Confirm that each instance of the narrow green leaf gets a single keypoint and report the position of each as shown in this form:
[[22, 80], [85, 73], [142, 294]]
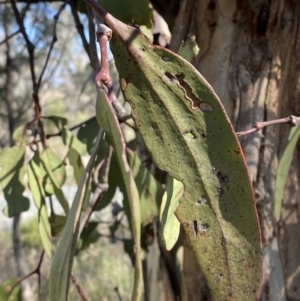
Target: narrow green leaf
[[10, 290], [35, 183], [108, 121], [170, 226], [55, 169], [283, 169], [188, 134], [63, 258]]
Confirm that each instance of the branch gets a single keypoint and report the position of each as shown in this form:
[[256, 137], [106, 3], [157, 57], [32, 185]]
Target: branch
[[37, 271], [79, 288], [93, 46], [291, 120], [54, 40], [7, 38], [80, 28], [29, 45]]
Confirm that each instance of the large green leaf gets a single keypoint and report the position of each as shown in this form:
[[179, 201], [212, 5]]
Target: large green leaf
[[188, 134], [283, 169], [35, 178], [109, 122], [170, 226]]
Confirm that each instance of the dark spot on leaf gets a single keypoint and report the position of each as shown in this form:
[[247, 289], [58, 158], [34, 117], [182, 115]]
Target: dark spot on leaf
[[220, 191], [223, 178], [169, 78], [195, 228], [204, 227], [154, 126], [201, 201], [143, 49], [203, 136]]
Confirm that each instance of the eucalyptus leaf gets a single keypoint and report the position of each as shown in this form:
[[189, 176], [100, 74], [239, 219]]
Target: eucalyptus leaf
[[189, 49], [57, 224], [12, 173], [73, 142], [87, 133], [150, 190], [11, 290], [283, 168], [188, 134], [170, 226], [78, 171], [55, 169], [38, 193], [108, 121], [11, 160], [88, 236]]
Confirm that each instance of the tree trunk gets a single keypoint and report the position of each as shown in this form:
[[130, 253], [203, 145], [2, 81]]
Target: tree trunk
[[250, 53]]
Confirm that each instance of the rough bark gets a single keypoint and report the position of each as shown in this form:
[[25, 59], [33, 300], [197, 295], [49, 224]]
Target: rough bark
[[250, 53]]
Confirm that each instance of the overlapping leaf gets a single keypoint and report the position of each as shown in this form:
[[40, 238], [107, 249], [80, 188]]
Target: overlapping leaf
[[35, 178], [108, 121], [11, 180], [170, 226]]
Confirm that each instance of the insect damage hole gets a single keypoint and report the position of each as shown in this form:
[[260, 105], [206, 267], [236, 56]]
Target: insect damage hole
[[189, 134], [205, 107], [195, 228], [154, 126], [204, 227], [169, 78], [201, 201]]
